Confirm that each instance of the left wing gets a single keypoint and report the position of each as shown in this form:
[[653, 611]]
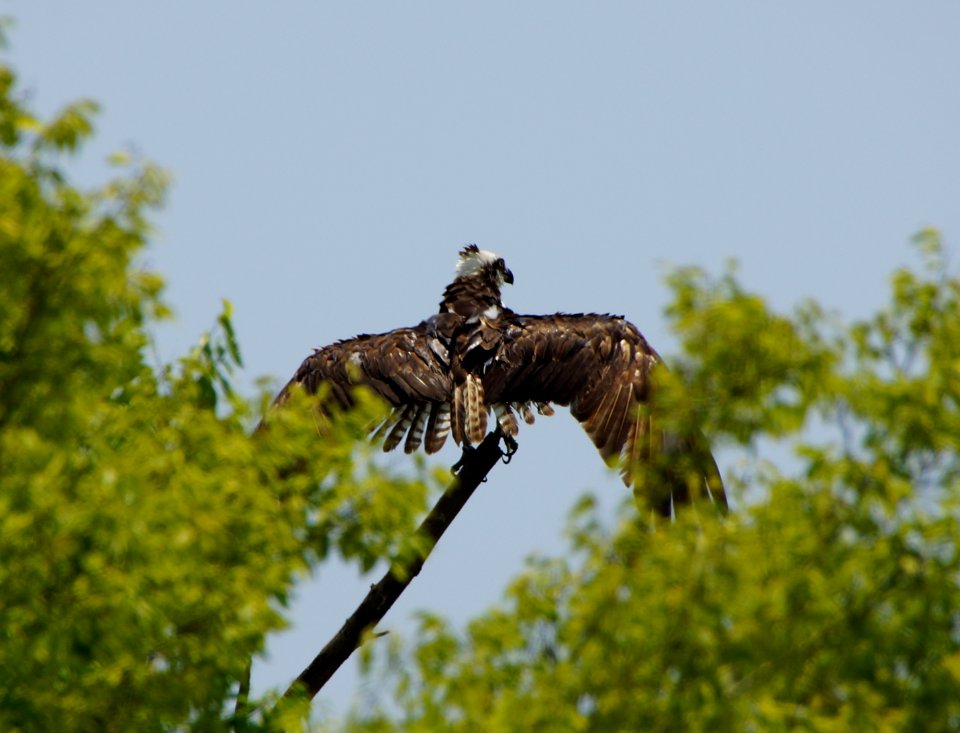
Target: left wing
[[408, 367], [600, 366]]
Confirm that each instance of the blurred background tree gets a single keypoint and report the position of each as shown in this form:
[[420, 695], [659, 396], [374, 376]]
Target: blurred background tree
[[828, 600], [147, 543]]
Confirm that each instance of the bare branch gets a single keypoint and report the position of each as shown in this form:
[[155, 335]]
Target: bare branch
[[474, 466]]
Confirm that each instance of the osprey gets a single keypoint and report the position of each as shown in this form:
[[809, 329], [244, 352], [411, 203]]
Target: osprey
[[446, 374]]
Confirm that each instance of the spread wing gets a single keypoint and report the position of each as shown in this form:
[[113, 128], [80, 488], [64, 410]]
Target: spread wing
[[600, 366], [408, 367]]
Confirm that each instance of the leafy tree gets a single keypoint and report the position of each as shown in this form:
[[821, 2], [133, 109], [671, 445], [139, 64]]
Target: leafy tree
[[827, 601], [147, 543]]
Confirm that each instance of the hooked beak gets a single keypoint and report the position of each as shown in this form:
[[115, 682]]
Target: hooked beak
[[508, 277]]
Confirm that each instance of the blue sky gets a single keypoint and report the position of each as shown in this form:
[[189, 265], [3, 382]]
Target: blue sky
[[329, 159]]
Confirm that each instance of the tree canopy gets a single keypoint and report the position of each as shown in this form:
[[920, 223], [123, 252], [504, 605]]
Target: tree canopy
[[148, 542]]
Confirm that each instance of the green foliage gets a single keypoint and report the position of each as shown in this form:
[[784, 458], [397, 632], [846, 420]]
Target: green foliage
[[768, 368], [830, 603], [148, 543]]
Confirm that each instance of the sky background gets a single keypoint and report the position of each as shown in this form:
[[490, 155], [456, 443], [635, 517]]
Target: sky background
[[329, 159]]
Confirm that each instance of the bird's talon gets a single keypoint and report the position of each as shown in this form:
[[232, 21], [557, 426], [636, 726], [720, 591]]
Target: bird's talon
[[455, 468], [510, 447]]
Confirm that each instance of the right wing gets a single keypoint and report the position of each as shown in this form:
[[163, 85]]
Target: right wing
[[408, 367]]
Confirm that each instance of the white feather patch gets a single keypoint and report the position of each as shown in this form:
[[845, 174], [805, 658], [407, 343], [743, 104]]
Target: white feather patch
[[472, 262]]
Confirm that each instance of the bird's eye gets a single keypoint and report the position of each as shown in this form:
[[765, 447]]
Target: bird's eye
[[500, 263]]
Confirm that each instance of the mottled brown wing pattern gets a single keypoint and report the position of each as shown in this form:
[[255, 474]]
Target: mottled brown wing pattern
[[598, 365], [408, 367]]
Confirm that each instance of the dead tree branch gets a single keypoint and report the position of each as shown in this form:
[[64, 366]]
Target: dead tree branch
[[474, 466]]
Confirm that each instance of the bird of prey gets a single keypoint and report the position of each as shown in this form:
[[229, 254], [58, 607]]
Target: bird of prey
[[475, 356]]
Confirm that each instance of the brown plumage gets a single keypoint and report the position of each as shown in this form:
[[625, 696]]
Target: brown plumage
[[444, 375]]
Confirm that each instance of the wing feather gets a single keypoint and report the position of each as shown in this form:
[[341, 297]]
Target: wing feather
[[600, 366], [398, 365], [417, 425], [438, 426], [400, 427], [406, 367]]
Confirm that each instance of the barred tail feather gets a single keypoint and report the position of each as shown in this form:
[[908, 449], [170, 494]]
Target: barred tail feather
[[458, 413], [476, 410]]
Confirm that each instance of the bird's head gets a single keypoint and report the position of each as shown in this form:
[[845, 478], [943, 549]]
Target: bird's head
[[476, 262]]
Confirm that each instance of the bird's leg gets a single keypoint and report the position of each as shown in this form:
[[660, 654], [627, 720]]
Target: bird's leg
[[509, 448], [510, 445]]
